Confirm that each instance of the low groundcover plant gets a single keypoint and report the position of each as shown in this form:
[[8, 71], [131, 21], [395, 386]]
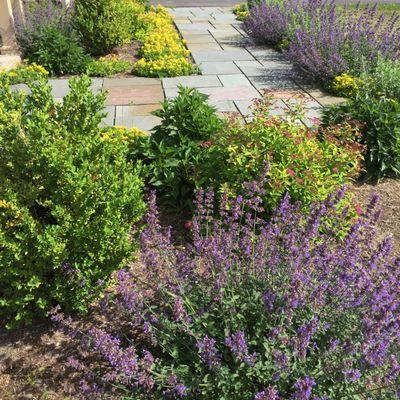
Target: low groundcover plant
[[252, 310]]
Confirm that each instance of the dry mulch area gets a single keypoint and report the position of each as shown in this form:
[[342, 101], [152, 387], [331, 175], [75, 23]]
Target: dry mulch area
[[32, 364], [32, 360], [389, 203]]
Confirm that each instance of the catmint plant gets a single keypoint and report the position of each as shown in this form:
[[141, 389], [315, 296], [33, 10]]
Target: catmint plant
[[252, 309], [324, 39]]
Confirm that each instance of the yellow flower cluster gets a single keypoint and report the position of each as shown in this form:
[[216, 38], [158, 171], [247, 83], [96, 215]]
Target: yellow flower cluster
[[163, 51], [345, 84], [162, 44], [23, 73], [122, 134], [165, 66], [241, 11]]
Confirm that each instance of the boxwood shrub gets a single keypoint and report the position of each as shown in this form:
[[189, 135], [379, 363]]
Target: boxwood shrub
[[68, 197]]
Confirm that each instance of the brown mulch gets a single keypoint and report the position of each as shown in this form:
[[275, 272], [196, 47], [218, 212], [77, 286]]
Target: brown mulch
[[33, 364], [33, 359], [128, 52], [389, 203]]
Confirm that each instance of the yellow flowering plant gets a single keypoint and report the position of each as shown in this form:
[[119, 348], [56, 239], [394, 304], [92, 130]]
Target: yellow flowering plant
[[163, 51], [23, 73], [345, 84], [241, 11], [122, 134]]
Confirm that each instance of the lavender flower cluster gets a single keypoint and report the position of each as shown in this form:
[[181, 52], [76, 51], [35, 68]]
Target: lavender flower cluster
[[252, 309], [324, 39], [39, 14]]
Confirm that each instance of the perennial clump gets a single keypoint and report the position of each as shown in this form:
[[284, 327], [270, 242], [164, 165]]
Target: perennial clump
[[252, 309], [163, 52]]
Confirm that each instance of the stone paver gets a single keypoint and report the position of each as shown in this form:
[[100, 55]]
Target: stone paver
[[145, 123], [234, 80], [203, 46], [109, 120], [145, 94], [110, 83], [219, 67], [234, 73], [199, 81], [231, 93], [221, 55], [200, 38]]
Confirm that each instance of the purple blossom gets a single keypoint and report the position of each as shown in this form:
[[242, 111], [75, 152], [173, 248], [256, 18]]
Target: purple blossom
[[238, 346], [303, 388], [327, 307], [208, 352], [323, 39], [353, 375], [180, 314], [269, 298], [268, 394]]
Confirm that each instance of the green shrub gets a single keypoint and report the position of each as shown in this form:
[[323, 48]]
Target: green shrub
[[103, 24], [68, 198], [59, 53], [375, 104], [300, 162], [176, 149], [380, 121], [108, 66], [23, 73]]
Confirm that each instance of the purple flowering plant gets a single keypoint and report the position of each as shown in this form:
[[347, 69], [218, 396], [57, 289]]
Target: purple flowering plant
[[252, 309], [324, 39], [40, 14]]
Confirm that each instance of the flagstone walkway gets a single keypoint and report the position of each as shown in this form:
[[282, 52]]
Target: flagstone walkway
[[234, 73]]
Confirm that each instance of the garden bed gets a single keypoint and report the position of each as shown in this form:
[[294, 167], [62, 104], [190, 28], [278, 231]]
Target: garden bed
[[34, 359], [275, 282], [119, 37]]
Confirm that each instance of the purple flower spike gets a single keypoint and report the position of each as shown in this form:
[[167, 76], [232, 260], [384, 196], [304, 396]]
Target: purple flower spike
[[238, 346]]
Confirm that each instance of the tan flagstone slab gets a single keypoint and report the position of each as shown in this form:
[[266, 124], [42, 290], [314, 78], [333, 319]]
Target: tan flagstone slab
[[150, 94], [285, 94], [130, 82], [134, 111], [325, 98]]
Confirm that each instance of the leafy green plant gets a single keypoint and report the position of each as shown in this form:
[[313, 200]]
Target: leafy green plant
[[23, 73], [57, 52], [175, 151], [103, 24], [108, 66], [241, 11], [68, 198], [300, 162], [384, 80], [380, 121]]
